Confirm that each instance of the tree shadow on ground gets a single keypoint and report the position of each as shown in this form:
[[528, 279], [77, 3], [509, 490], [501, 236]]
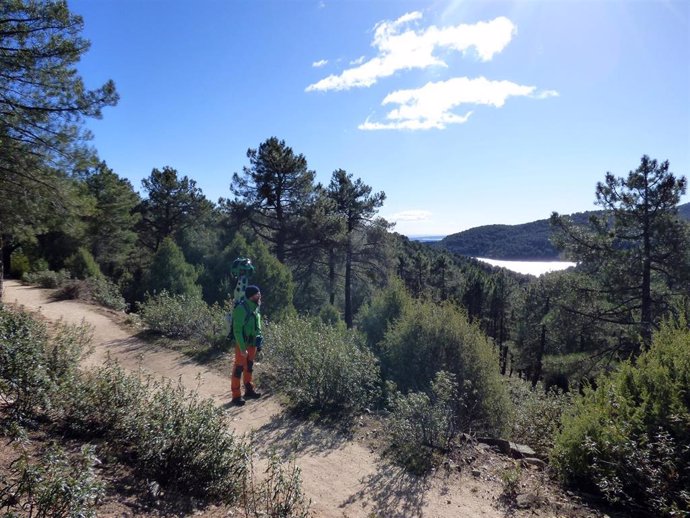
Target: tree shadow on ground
[[394, 493], [194, 351], [289, 435]]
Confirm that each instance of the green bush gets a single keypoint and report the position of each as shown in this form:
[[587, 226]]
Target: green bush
[[182, 316], [428, 338], [19, 264], [510, 483], [47, 278], [629, 438], [273, 277], [385, 308], [536, 417], [33, 366], [94, 289], [570, 370], [39, 265], [24, 380], [330, 315], [82, 264], [278, 494], [421, 426], [165, 432], [107, 293], [54, 487], [170, 272], [320, 367]]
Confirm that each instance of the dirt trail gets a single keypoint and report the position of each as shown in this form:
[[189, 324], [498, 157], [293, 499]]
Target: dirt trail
[[343, 478]]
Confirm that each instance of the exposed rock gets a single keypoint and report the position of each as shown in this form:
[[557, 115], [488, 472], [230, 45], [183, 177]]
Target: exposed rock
[[521, 451], [515, 450], [502, 445], [533, 461], [476, 473], [527, 500]]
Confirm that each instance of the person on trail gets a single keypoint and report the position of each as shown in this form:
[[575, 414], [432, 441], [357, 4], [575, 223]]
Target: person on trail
[[246, 330]]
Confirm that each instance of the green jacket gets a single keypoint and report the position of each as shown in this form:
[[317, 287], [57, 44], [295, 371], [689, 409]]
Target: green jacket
[[246, 323]]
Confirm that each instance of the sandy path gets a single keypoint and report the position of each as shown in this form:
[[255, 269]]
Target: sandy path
[[343, 478]]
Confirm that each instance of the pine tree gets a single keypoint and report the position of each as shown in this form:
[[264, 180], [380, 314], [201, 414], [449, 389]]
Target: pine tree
[[110, 231], [357, 206], [173, 204], [170, 272], [273, 194], [637, 249], [43, 103]]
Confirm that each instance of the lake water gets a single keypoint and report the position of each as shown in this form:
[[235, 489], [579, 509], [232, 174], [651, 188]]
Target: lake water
[[529, 267]]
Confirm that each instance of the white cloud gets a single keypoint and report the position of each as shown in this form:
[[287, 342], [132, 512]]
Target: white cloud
[[320, 63], [409, 49], [358, 61], [546, 94], [432, 105], [411, 215]]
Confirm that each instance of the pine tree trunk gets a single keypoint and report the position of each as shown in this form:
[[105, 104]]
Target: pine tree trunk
[[348, 284], [539, 364], [2, 271], [646, 310], [331, 276]]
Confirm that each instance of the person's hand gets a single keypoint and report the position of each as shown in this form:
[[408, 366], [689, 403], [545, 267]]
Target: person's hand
[[243, 354]]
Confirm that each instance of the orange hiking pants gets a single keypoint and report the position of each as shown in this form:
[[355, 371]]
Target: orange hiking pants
[[242, 369]]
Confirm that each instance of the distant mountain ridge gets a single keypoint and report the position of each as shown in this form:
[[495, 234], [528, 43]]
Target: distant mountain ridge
[[525, 242]]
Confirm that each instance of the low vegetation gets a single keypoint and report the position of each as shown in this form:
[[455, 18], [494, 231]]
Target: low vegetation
[[629, 438], [423, 427], [164, 432], [183, 316], [320, 367], [429, 338]]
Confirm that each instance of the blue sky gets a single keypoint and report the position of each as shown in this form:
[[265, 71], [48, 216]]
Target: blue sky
[[464, 113]]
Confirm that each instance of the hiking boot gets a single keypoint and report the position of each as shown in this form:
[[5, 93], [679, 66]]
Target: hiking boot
[[237, 401], [250, 393]]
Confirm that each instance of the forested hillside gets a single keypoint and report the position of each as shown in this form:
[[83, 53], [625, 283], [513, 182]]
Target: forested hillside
[[524, 242]]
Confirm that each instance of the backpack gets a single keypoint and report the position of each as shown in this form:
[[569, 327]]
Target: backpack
[[229, 319]]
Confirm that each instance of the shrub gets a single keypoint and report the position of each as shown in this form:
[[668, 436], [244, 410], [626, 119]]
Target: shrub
[[24, 380], [330, 315], [165, 432], [429, 338], [279, 493], [185, 443], [182, 316], [19, 264], [32, 366], [536, 417], [421, 425], [107, 293], [53, 487], [629, 438], [570, 370], [82, 264], [94, 289], [320, 367], [385, 308], [510, 483], [273, 277], [170, 272], [47, 278]]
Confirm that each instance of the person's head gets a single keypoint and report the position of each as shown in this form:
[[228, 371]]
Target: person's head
[[252, 293]]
